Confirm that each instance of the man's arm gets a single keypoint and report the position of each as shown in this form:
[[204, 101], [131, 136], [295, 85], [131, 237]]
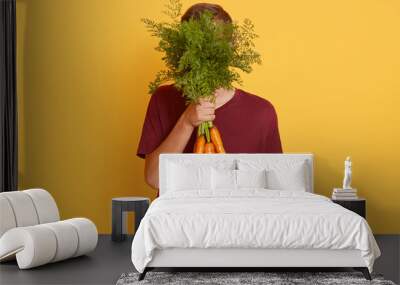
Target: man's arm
[[178, 138], [274, 139]]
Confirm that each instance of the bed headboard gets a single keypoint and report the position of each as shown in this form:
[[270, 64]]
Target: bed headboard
[[215, 158]]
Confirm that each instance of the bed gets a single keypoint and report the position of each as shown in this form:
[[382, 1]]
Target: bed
[[247, 211]]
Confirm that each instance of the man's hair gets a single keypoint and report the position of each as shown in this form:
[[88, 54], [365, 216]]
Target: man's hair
[[216, 10]]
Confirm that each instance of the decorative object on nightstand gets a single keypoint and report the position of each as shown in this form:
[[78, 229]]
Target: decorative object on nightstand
[[357, 205], [347, 192], [344, 194], [120, 206]]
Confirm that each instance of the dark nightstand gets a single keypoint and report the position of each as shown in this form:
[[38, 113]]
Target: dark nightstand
[[122, 205], [357, 205]]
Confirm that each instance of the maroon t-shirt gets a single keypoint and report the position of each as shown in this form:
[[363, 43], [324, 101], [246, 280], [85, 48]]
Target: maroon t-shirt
[[247, 123]]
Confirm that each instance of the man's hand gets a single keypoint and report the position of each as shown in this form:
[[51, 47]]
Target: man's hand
[[195, 114], [177, 139]]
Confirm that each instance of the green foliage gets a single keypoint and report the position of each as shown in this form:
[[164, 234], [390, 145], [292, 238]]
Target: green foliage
[[202, 55]]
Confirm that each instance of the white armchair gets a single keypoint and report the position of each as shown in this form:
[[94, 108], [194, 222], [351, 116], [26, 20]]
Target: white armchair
[[31, 230]]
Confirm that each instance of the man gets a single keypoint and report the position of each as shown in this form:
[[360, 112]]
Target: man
[[247, 123]]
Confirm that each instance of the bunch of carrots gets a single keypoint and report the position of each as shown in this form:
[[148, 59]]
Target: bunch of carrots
[[208, 139]]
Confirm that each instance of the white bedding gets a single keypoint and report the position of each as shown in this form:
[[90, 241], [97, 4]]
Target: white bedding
[[250, 218]]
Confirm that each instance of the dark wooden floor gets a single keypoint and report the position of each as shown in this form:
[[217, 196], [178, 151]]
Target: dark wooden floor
[[103, 266], [110, 260]]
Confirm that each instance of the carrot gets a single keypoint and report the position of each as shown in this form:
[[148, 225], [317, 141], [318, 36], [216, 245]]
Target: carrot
[[216, 139], [199, 145], [209, 148]]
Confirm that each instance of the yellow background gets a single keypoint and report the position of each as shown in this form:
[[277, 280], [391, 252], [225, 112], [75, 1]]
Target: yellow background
[[331, 69]]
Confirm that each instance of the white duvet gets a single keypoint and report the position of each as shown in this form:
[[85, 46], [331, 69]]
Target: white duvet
[[250, 218]]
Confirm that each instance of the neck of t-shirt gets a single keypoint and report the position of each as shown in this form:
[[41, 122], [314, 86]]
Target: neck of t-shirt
[[223, 96]]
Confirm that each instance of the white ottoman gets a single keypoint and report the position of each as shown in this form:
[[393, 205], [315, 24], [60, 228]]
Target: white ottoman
[[31, 232]]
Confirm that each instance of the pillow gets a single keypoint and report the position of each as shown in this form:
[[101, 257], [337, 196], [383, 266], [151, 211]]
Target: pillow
[[223, 179], [281, 174], [224, 164], [287, 179], [251, 178], [182, 177]]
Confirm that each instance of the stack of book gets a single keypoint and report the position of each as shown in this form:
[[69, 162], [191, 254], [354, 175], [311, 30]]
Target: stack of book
[[344, 194]]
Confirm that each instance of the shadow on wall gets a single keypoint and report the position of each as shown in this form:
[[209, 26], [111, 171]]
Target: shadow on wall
[[21, 34]]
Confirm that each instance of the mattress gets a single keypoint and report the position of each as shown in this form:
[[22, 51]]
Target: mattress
[[250, 219]]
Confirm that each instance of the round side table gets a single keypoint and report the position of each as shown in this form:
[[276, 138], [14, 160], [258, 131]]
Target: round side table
[[120, 206]]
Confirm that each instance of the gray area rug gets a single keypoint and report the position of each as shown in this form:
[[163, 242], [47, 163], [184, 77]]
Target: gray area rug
[[269, 278]]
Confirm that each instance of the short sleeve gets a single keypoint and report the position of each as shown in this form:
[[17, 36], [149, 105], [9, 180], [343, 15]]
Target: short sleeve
[[151, 136], [274, 141]]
